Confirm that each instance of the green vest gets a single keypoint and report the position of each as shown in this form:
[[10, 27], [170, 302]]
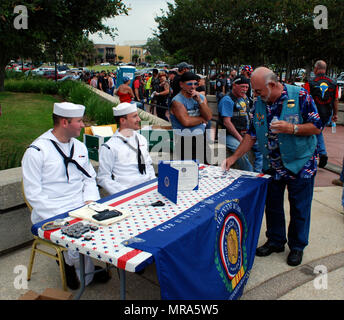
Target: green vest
[[295, 150]]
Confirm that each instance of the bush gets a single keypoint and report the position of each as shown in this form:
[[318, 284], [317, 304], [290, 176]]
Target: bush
[[31, 85], [97, 109], [10, 157]]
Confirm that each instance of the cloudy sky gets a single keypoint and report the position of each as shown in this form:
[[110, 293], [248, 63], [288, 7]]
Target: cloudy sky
[[138, 25]]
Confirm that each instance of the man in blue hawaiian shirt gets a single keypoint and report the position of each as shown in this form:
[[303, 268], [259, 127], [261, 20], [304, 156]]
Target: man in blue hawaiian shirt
[[288, 146]]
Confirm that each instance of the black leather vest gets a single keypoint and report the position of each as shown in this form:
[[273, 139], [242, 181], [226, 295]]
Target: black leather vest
[[240, 118], [323, 91]]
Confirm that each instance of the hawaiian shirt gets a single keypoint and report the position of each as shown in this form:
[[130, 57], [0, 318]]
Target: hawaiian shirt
[[309, 114]]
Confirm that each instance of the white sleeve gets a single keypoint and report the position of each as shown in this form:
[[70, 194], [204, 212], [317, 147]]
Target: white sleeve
[[107, 160], [32, 164], [90, 190]]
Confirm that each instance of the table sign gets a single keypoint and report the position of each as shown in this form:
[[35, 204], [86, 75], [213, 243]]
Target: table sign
[[177, 176]]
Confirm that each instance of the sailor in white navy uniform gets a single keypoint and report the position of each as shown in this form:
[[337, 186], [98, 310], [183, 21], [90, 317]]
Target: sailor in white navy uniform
[[58, 176], [124, 160]]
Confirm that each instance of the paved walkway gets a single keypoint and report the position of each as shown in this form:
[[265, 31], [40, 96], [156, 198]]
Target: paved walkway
[[271, 278]]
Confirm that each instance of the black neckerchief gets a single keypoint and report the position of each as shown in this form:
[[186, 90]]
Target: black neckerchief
[[140, 159], [68, 160]]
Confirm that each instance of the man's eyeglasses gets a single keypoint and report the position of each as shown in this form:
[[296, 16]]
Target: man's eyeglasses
[[192, 84]]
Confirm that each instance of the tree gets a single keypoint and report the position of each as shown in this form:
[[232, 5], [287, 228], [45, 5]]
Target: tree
[[135, 57], [264, 32], [154, 47], [81, 53], [52, 25]]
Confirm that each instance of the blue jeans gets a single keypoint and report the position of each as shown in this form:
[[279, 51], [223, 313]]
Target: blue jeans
[[258, 160], [232, 144], [342, 173], [321, 142], [300, 200], [138, 104]]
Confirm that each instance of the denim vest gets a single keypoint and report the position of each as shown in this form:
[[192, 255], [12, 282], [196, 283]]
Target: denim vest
[[295, 150]]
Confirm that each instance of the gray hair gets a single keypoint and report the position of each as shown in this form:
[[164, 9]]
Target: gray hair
[[270, 77]]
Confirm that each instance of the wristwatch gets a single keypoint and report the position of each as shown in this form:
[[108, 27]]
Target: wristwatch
[[296, 129]]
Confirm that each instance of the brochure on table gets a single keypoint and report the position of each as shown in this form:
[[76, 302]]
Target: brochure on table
[[177, 176]]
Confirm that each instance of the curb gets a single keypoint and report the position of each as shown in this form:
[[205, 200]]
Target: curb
[[333, 168], [272, 289]]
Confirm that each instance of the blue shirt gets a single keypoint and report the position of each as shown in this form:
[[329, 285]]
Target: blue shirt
[[226, 106], [192, 108], [309, 115]]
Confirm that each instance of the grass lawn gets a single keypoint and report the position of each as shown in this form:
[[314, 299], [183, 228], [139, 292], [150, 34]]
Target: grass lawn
[[25, 116], [101, 68]]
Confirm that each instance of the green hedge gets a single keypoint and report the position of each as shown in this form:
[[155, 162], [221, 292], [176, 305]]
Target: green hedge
[[97, 109]]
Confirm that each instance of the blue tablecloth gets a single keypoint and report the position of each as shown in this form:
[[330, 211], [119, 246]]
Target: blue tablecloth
[[207, 252]]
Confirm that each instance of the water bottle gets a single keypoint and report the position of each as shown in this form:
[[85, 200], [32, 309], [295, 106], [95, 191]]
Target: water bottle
[[274, 119], [333, 127]]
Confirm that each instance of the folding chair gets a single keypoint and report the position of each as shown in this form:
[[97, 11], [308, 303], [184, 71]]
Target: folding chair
[[38, 241]]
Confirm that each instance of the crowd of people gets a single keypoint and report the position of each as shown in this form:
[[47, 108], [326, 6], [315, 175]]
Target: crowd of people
[[280, 122], [152, 91]]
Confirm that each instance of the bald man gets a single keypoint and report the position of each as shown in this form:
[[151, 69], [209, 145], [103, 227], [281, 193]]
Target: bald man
[[324, 91], [288, 146]]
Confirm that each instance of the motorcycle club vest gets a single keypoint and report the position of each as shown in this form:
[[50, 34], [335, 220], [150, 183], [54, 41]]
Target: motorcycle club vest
[[240, 118], [295, 150], [323, 91]]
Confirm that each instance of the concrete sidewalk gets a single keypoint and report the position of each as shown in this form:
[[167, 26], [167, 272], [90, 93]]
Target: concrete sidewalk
[[271, 278]]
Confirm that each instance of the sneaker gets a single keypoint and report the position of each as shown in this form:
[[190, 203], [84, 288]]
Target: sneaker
[[337, 182], [101, 276], [323, 160]]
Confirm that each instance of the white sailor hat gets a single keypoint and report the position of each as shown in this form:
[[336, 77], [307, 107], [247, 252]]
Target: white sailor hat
[[124, 108], [69, 110]]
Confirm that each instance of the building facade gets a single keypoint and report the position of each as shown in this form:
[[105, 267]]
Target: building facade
[[105, 53]]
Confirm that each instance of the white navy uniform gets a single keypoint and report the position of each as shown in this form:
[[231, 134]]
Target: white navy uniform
[[118, 163], [46, 185], [48, 189]]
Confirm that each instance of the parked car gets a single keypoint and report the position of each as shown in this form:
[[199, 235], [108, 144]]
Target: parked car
[[340, 83], [40, 71], [51, 75], [62, 69], [105, 64], [67, 77]]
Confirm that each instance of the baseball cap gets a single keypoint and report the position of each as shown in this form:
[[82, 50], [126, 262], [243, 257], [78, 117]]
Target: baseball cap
[[183, 65]]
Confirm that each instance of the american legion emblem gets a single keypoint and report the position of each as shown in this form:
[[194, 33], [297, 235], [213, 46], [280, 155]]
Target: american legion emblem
[[230, 250]]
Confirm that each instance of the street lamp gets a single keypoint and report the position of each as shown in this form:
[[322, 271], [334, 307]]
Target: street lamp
[[54, 41]]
